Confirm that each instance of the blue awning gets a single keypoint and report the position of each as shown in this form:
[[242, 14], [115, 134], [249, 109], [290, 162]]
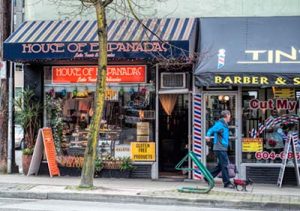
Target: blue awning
[[127, 39], [249, 51]]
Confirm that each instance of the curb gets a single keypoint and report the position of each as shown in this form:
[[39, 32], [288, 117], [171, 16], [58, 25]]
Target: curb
[[140, 199]]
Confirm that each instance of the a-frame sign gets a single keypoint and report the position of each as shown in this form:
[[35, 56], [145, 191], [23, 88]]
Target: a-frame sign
[[44, 141], [291, 142]]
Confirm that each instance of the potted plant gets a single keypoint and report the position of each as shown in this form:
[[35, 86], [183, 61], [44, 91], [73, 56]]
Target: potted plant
[[28, 116], [111, 167], [98, 167], [126, 167]]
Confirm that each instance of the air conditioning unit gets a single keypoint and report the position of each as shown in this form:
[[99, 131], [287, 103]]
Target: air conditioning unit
[[172, 80]]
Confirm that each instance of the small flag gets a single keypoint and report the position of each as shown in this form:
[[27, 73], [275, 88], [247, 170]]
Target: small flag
[[295, 138], [269, 122], [285, 119], [261, 128], [277, 121], [294, 118], [253, 133]]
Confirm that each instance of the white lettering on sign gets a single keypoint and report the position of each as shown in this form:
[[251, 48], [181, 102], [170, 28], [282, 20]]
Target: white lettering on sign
[[128, 71], [88, 74], [93, 48], [282, 104], [43, 48], [75, 71], [272, 57]]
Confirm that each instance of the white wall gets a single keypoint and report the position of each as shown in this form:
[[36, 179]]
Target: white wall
[[43, 9]]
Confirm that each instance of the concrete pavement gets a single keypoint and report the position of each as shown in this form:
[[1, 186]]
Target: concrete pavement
[[263, 197]]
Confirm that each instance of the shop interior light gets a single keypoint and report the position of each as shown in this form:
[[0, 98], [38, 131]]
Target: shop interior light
[[220, 98], [226, 98]]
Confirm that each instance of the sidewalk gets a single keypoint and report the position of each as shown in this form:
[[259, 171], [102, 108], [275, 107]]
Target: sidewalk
[[263, 197]]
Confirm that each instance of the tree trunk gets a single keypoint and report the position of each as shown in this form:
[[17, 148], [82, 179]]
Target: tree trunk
[[5, 9], [87, 173], [3, 126]]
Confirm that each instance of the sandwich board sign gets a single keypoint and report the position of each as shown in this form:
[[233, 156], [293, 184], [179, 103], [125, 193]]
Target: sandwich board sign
[[291, 142], [44, 141]]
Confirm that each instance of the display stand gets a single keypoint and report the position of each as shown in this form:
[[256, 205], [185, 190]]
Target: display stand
[[289, 143]]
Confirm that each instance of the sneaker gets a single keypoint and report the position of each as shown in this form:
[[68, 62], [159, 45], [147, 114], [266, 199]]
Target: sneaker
[[229, 185]]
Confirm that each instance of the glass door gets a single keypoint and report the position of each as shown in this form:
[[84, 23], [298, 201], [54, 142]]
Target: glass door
[[214, 104]]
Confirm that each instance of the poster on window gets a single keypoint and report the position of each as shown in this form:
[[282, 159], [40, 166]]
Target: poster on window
[[142, 128], [142, 151], [280, 92], [252, 145]]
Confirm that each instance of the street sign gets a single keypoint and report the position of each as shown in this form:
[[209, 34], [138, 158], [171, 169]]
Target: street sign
[[291, 142]]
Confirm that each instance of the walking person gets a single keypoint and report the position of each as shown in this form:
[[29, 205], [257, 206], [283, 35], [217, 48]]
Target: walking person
[[220, 131]]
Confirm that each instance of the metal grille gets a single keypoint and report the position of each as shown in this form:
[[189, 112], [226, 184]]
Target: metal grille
[[173, 80]]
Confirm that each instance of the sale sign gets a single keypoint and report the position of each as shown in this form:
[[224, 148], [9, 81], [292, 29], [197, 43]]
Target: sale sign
[[88, 74], [252, 145]]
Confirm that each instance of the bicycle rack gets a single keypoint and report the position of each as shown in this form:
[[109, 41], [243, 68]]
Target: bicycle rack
[[202, 169]]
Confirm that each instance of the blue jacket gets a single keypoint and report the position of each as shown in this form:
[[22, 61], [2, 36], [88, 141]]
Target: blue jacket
[[220, 131]]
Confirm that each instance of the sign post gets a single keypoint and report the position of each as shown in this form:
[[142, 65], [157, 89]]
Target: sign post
[[44, 141], [289, 143]]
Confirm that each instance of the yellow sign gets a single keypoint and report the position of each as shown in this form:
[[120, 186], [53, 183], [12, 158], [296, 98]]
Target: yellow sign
[[111, 94], [142, 151], [283, 92], [252, 145]]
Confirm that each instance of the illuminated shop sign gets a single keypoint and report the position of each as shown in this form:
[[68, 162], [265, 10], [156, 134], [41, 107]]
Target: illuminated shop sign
[[88, 74], [279, 104]]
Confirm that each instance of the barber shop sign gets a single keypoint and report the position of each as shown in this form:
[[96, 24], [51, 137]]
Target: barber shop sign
[[273, 104]]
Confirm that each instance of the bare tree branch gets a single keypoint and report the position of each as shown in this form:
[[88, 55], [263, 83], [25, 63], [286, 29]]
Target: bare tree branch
[[107, 2]]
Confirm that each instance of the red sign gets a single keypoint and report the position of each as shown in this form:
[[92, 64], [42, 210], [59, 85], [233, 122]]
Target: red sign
[[88, 74], [50, 151]]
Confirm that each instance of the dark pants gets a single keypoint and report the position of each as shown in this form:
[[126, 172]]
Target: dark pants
[[222, 166]]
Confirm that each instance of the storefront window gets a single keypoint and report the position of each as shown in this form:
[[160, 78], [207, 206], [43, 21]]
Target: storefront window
[[270, 116], [128, 116], [215, 104]]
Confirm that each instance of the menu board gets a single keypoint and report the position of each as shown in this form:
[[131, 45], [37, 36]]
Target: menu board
[[44, 141], [50, 151]]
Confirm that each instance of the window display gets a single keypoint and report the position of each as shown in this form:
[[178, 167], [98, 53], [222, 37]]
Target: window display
[[128, 116], [269, 118]]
